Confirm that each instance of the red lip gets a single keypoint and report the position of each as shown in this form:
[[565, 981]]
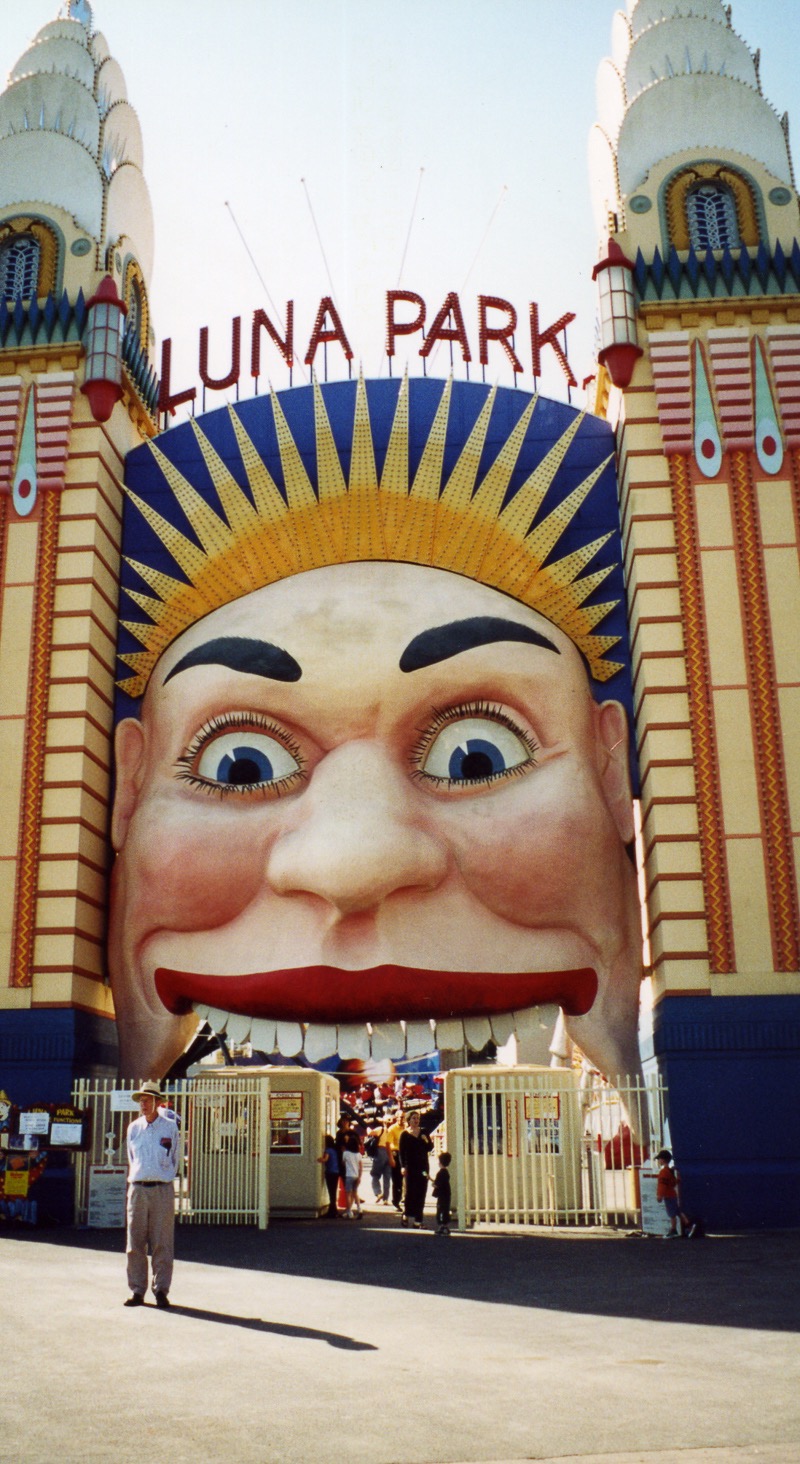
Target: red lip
[[329, 994]]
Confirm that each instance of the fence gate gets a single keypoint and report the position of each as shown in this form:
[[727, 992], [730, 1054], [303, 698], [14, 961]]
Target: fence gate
[[225, 1126], [544, 1146]]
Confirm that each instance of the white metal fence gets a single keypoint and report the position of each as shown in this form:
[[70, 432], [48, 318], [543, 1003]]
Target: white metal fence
[[224, 1178], [547, 1147]]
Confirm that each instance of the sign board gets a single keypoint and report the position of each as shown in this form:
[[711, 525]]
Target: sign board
[[34, 1123], [283, 1106], [107, 1185], [653, 1213], [123, 1101]]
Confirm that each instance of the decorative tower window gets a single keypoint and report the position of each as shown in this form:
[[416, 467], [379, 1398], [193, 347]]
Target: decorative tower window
[[19, 268], [711, 214]]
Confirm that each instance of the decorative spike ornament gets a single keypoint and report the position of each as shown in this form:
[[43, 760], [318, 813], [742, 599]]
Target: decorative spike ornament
[[461, 522]]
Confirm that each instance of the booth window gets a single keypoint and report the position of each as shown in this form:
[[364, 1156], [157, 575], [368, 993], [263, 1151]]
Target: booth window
[[19, 268], [711, 215]]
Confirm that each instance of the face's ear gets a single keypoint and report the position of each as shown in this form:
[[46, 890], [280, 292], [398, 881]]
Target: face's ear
[[129, 744], [611, 737]]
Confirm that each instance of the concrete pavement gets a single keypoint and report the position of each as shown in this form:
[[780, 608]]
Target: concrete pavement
[[319, 1341]]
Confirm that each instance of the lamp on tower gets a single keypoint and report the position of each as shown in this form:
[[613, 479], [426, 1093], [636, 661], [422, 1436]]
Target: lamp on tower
[[619, 348], [103, 344]]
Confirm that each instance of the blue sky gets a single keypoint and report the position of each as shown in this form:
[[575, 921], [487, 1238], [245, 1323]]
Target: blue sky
[[240, 100]]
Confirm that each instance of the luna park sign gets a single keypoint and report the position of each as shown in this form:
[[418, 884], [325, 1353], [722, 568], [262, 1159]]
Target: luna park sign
[[406, 315]]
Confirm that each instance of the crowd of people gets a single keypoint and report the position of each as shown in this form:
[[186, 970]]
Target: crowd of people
[[395, 1145]]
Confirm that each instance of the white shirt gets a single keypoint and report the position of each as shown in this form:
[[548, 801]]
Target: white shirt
[[352, 1164], [154, 1150]]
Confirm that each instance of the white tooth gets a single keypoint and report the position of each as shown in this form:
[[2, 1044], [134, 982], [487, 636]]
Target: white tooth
[[262, 1034], [450, 1034], [201, 1010], [238, 1028], [320, 1042], [217, 1020], [289, 1038], [388, 1040], [353, 1040], [528, 1023], [478, 1032], [502, 1028], [419, 1039]]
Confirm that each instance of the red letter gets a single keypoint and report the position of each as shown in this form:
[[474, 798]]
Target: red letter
[[440, 332], [286, 347], [318, 335], [548, 337], [499, 333], [220, 383], [407, 327], [166, 402]]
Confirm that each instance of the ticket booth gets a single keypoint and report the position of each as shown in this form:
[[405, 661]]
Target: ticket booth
[[255, 1136], [303, 1108]]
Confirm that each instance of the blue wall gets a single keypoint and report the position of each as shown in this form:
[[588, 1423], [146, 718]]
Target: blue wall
[[42, 1051], [732, 1069]]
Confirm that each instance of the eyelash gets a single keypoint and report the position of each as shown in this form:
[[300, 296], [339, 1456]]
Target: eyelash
[[246, 721], [442, 717]]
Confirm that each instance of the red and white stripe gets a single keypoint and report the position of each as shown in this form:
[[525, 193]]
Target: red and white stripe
[[731, 365], [55, 394], [784, 350], [670, 359], [11, 391]]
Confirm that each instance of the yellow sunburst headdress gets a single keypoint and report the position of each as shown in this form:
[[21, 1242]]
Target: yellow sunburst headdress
[[466, 526]]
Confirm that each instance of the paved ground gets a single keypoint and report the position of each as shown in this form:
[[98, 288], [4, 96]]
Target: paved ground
[[329, 1341]]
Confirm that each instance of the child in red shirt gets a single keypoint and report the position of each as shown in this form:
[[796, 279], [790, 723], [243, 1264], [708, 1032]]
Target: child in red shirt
[[667, 1192]]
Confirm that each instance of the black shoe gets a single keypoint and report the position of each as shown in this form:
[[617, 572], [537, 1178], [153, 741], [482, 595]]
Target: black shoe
[[135, 1300], [162, 1300]]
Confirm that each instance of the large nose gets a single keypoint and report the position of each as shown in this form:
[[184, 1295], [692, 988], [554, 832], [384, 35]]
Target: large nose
[[356, 841]]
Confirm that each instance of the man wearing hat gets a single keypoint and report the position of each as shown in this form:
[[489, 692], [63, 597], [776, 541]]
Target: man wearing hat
[[154, 1151]]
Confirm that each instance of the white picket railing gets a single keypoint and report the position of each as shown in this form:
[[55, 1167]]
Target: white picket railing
[[224, 1178], [543, 1146]]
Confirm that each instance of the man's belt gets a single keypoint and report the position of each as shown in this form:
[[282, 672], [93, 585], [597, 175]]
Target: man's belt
[[150, 1183]]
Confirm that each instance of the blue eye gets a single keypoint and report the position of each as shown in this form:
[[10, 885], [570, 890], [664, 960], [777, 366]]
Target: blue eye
[[475, 749], [245, 759]]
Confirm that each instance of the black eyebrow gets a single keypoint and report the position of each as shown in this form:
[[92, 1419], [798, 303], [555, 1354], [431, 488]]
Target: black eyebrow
[[443, 641], [239, 653]]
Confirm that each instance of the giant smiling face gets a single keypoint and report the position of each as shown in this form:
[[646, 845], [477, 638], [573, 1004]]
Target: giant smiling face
[[372, 794]]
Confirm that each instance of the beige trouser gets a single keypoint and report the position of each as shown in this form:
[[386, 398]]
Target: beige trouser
[[151, 1220]]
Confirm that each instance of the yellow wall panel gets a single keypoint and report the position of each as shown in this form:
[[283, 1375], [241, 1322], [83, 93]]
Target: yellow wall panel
[[666, 744], [71, 874], [658, 568], [662, 671], [671, 896], [76, 696], [655, 533], [72, 838], [749, 908], [789, 703], [660, 601], [678, 935], [671, 782], [8, 887], [12, 741], [52, 988], [663, 706], [16, 634], [23, 540], [723, 619], [74, 803], [714, 522], [675, 857], [667, 819], [649, 500], [776, 513], [663, 636], [739, 790], [783, 592]]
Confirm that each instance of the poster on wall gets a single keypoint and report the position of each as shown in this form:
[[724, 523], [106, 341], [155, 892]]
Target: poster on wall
[[107, 1190]]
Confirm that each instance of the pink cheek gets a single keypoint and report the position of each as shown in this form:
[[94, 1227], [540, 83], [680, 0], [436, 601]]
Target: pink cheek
[[195, 877], [527, 861]]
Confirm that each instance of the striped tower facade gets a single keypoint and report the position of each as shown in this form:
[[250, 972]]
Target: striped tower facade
[[693, 180], [60, 514]]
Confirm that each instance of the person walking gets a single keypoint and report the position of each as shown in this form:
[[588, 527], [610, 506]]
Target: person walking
[[377, 1148], [414, 1150], [154, 1152], [441, 1190], [332, 1174], [393, 1133]]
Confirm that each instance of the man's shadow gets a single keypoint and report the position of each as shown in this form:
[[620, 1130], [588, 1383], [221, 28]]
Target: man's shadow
[[280, 1329]]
